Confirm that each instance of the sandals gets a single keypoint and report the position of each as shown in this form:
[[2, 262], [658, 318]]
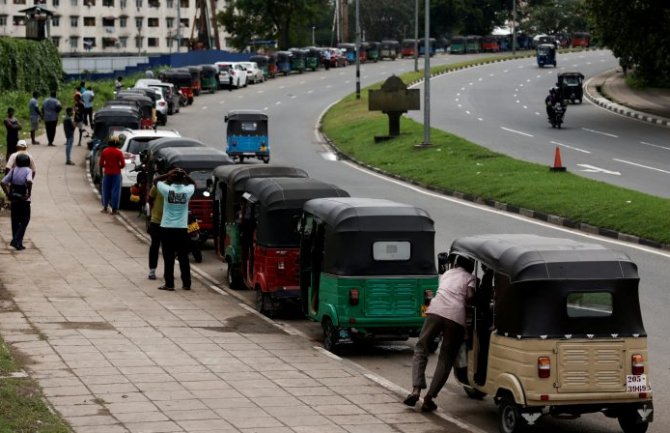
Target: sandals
[[411, 400], [428, 405]]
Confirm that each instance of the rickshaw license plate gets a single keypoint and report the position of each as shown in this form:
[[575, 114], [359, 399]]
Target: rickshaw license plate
[[637, 383], [424, 308]]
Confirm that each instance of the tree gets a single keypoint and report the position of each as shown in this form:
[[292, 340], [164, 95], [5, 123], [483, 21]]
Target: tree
[[390, 19], [554, 17], [474, 17], [288, 21], [637, 33]]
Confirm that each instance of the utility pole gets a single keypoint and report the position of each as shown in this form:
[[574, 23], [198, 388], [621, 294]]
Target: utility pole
[[313, 28], [358, 50], [426, 76], [178, 25], [416, 35], [514, 28]]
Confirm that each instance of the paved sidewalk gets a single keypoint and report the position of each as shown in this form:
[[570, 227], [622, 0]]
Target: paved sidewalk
[[114, 354], [609, 90]]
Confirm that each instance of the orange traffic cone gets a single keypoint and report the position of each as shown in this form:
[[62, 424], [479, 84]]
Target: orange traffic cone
[[558, 165]]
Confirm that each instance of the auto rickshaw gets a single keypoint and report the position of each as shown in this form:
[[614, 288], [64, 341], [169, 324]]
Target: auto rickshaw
[[373, 51], [247, 135], [198, 162], [297, 60], [490, 44], [570, 86], [555, 329], [106, 121], [182, 80], [227, 186], [209, 78], [269, 242], [312, 58], [349, 51], [546, 55], [145, 104], [407, 47], [473, 44], [457, 45], [367, 268], [580, 39], [262, 62], [284, 62], [389, 49], [431, 46], [272, 65], [196, 82]]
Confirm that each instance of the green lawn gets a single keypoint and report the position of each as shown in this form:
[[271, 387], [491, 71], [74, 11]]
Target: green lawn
[[454, 164]]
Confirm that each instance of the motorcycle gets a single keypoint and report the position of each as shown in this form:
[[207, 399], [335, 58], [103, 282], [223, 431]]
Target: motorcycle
[[556, 119]]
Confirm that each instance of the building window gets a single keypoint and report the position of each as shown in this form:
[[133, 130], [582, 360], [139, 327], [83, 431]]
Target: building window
[[3, 20], [107, 23], [74, 21], [168, 42], [19, 20], [152, 22], [55, 21], [108, 3], [169, 22], [123, 42], [123, 3], [89, 43], [55, 40], [138, 41], [19, 2], [183, 3], [89, 3], [185, 42], [138, 22], [89, 21], [138, 3], [183, 22], [55, 3], [169, 4], [74, 42], [154, 3], [40, 2], [108, 42], [123, 21], [152, 42]]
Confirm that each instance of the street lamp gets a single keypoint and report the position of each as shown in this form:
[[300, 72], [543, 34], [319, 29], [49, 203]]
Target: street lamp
[[313, 28]]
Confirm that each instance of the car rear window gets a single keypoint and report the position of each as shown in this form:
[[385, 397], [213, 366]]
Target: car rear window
[[136, 146], [589, 304]]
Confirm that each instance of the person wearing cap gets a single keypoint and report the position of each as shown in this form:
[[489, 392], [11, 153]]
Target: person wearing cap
[[21, 148], [18, 185]]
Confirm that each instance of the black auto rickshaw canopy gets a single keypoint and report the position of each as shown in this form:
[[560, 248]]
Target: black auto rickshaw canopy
[[247, 122], [260, 60], [198, 161], [145, 103], [229, 181], [569, 79], [208, 71], [145, 91], [538, 276], [114, 117], [546, 50], [364, 236], [278, 204], [155, 145], [297, 53], [283, 56], [180, 78]]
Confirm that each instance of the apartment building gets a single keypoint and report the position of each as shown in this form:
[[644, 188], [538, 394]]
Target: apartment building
[[112, 27]]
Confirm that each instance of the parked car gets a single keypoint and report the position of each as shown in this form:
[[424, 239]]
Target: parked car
[[160, 102], [170, 94], [231, 74], [254, 73]]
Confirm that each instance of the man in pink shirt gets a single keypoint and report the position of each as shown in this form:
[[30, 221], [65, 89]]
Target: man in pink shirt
[[446, 315]]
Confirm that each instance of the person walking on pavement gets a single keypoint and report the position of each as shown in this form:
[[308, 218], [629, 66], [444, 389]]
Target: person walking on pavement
[[446, 315], [111, 162], [50, 109], [13, 126], [87, 97], [79, 116], [154, 229], [17, 185], [177, 189], [21, 148], [68, 129], [326, 59], [35, 115]]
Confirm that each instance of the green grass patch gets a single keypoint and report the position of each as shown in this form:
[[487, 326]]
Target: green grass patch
[[455, 164], [7, 363]]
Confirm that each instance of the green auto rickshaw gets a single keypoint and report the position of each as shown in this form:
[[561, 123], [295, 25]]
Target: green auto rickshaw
[[297, 60], [373, 51], [209, 78], [312, 58], [367, 268]]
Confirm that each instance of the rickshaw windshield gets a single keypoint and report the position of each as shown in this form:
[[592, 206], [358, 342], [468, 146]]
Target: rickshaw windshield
[[545, 51], [247, 127], [571, 80], [200, 178], [268, 234]]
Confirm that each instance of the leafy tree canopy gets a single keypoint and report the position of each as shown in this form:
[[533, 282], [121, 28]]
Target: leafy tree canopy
[[554, 17]]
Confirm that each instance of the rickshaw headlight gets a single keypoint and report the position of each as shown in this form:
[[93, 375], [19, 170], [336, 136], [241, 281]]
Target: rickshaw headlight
[[637, 362], [543, 367], [353, 296]]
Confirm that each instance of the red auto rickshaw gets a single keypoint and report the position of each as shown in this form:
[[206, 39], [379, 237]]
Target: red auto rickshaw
[[181, 79]]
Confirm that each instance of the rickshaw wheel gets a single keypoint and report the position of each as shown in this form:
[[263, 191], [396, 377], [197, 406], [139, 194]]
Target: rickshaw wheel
[[509, 418], [329, 335], [628, 424], [266, 159], [261, 301], [233, 281]]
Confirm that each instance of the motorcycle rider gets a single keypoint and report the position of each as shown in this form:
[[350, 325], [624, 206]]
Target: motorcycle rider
[[551, 100]]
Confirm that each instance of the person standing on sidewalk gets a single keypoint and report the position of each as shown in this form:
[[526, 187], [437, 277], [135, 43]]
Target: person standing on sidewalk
[[50, 109], [154, 229], [87, 97], [446, 315], [177, 189], [68, 129], [79, 116], [21, 148], [35, 115], [18, 185], [13, 127], [111, 162]]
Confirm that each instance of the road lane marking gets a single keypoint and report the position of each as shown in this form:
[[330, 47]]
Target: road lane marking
[[456, 99], [506, 70], [470, 84], [655, 145], [278, 102], [259, 91], [265, 108], [328, 86], [347, 82], [492, 75], [329, 156], [593, 169], [310, 91], [518, 102], [623, 161], [607, 134], [292, 96], [480, 119], [569, 147], [460, 106], [282, 87], [515, 131], [204, 107], [302, 82], [537, 114], [525, 107], [467, 112]]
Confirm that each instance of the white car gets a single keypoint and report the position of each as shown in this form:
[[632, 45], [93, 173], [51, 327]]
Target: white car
[[133, 142], [170, 93], [254, 73], [231, 74]]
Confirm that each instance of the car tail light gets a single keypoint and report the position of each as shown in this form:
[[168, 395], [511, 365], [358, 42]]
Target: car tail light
[[353, 296], [427, 296], [161, 103], [543, 367], [637, 362]]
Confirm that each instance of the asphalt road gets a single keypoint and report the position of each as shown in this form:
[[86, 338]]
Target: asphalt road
[[294, 105], [501, 106]]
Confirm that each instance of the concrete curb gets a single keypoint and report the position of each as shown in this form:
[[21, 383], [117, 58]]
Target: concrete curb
[[592, 94], [506, 207]]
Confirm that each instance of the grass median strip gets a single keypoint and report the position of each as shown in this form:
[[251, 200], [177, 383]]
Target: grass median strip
[[455, 164]]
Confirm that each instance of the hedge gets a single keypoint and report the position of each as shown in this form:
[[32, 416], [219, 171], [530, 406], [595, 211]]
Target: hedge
[[27, 66]]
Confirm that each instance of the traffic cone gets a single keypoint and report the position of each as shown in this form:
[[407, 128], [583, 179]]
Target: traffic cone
[[558, 165]]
